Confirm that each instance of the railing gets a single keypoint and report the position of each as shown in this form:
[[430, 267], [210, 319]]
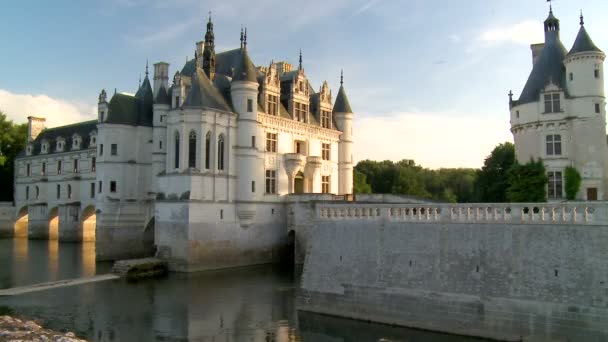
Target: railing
[[590, 213]]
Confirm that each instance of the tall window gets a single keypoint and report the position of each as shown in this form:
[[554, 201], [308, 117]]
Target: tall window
[[92, 190], [325, 119], [192, 150], [271, 181], [176, 150], [552, 104], [93, 164], [37, 192], [59, 167], [300, 111], [325, 151], [75, 165], [271, 142], [597, 108], [27, 169], [555, 184], [58, 191], [208, 151], [325, 184], [220, 152], [249, 105], [27, 192], [596, 73], [100, 188], [69, 191], [101, 149], [272, 105], [554, 144], [43, 168], [112, 186], [113, 149]]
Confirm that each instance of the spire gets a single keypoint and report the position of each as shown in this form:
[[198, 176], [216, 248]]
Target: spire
[[209, 51], [551, 26], [300, 65], [583, 42], [342, 105], [242, 37], [245, 39], [139, 82], [582, 19], [341, 77], [146, 68]]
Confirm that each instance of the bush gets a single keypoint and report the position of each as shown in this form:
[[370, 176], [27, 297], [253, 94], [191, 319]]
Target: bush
[[573, 182]]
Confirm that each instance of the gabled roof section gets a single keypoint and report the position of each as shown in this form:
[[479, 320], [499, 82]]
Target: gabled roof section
[[204, 94], [82, 129], [583, 43], [548, 68], [342, 105], [245, 71]]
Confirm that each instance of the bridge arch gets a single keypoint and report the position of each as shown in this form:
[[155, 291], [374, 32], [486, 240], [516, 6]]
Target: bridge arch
[[88, 223], [54, 224], [21, 222]]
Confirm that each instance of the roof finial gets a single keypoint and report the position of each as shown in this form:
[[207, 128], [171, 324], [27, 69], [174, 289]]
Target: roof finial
[[245, 39], [300, 65], [146, 68], [550, 6], [242, 37], [582, 19], [341, 77], [209, 16], [139, 84]]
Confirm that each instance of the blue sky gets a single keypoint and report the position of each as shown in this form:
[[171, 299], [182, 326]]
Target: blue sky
[[428, 79]]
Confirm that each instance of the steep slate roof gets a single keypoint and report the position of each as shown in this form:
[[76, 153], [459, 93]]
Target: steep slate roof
[[245, 71], [83, 129], [145, 100], [162, 97], [204, 94], [583, 43], [548, 68], [342, 105], [123, 109]]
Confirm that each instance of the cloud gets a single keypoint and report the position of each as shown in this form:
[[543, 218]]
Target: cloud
[[57, 112], [369, 4], [526, 32], [154, 35], [433, 140]]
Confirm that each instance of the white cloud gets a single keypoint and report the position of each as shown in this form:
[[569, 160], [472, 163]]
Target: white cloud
[[433, 140], [525, 32], [57, 112], [369, 4]]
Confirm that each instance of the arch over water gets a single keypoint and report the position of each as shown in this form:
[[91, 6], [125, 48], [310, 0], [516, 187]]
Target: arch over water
[[21, 223], [148, 238], [54, 224], [89, 223]]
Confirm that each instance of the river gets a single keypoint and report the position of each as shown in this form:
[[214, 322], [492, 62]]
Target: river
[[256, 304]]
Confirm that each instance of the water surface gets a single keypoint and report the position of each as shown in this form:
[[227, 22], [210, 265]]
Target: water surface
[[251, 304]]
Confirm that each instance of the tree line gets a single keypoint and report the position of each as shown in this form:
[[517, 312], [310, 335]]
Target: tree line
[[12, 141]]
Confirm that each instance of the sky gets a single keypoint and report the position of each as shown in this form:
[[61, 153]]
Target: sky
[[427, 79]]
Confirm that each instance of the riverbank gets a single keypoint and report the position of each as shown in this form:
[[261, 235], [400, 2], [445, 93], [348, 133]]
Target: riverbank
[[15, 329]]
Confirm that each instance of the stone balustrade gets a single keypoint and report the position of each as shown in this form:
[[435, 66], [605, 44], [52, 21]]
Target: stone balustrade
[[586, 213]]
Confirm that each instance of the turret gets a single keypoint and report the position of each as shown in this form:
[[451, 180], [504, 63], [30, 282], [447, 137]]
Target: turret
[[585, 66], [344, 120], [209, 51], [102, 106], [244, 94]]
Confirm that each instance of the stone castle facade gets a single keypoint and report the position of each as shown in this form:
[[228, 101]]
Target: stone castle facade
[[560, 115], [198, 169]]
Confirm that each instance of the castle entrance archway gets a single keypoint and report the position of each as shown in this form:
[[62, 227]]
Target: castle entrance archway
[[298, 183]]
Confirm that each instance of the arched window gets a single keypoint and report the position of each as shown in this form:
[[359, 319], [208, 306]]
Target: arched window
[[192, 150], [208, 150], [220, 152], [177, 150]]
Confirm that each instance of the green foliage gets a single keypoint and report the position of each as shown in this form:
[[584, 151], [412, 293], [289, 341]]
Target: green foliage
[[407, 178], [492, 180], [573, 182], [527, 183], [12, 141], [360, 185]]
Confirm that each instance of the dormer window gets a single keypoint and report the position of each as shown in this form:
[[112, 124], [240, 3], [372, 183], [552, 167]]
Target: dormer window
[[552, 103], [45, 147], [76, 140], [93, 140], [300, 111], [28, 151], [272, 105], [60, 144]]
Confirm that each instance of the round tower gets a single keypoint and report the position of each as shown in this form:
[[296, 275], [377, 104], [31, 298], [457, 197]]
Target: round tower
[[249, 165], [585, 67], [344, 120]]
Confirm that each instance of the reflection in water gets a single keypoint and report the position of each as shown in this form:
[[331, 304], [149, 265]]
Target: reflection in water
[[53, 259], [54, 228], [21, 226], [254, 304], [88, 224], [88, 259]]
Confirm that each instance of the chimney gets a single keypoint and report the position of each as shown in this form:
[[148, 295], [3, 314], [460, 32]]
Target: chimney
[[34, 127], [161, 76], [536, 51]]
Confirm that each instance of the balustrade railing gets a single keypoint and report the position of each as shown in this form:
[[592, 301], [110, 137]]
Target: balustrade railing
[[591, 213]]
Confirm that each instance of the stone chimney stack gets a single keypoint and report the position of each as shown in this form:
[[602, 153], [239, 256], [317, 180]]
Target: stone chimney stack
[[34, 127], [161, 76]]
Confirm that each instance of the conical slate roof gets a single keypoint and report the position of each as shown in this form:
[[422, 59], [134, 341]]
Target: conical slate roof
[[162, 97], [204, 94], [342, 105], [583, 43], [145, 99], [548, 68], [245, 71]]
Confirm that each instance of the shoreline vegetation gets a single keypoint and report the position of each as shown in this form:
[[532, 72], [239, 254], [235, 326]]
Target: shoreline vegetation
[[16, 329]]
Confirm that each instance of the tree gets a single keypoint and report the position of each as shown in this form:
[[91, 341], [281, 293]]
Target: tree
[[360, 185], [573, 182], [493, 180], [12, 141], [528, 182]]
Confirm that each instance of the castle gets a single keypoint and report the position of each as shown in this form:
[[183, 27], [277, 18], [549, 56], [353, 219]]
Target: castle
[[560, 115], [197, 170]]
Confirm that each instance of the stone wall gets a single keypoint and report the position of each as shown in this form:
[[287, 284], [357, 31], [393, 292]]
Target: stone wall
[[501, 271], [7, 220]]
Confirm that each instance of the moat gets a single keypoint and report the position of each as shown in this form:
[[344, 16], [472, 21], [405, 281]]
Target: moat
[[250, 304]]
